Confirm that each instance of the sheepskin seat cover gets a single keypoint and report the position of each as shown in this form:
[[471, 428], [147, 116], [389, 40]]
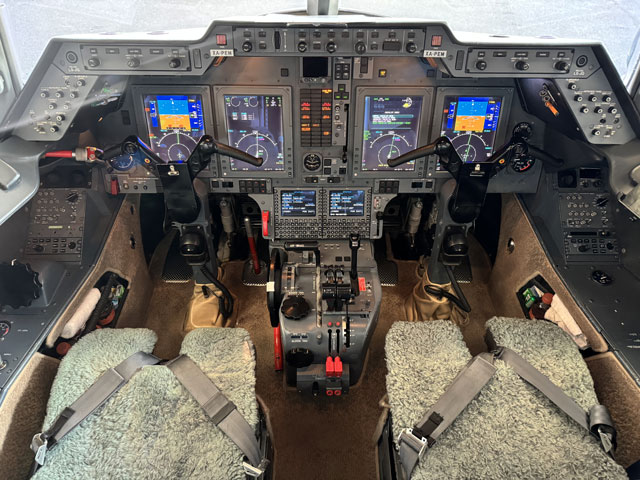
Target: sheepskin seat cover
[[510, 430], [152, 428]]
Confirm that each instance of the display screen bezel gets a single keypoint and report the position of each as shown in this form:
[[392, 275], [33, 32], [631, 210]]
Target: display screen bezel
[[503, 120], [237, 166], [424, 127], [223, 136], [288, 215], [140, 92]]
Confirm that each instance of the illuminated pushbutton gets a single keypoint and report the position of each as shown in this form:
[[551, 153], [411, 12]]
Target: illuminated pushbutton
[[221, 39]]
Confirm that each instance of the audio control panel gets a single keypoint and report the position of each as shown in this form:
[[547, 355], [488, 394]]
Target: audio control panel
[[56, 229], [588, 231]]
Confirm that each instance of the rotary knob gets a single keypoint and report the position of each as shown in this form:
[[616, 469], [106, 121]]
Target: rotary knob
[[360, 48], [19, 285], [332, 47]]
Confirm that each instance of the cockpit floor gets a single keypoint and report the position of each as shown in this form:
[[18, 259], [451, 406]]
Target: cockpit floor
[[317, 437]]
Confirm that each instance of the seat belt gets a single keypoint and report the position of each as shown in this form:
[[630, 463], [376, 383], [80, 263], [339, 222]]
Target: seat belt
[[413, 442], [596, 421], [96, 395], [221, 411]]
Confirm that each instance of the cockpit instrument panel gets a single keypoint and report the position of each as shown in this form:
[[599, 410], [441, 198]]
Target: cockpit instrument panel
[[256, 120], [391, 124], [471, 124], [254, 125]]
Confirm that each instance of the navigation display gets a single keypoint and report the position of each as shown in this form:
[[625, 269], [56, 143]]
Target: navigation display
[[471, 124], [175, 124], [298, 203], [346, 203], [254, 125], [391, 125]]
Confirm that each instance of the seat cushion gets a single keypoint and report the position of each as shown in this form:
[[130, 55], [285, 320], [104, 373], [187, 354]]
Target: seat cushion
[[510, 430], [152, 428]]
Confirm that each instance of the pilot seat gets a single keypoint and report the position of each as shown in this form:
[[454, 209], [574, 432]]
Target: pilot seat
[[157, 424], [506, 427]]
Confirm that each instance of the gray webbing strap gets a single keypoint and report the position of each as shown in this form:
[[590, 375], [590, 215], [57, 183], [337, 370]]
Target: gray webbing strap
[[597, 421], [413, 442], [96, 395], [222, 412]]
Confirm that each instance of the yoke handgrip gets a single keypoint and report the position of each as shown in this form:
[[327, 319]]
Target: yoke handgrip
[[232, 152]]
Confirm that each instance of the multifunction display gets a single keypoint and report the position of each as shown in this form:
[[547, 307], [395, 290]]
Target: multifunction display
[[298, 203], [391, 126], [254, 125], [471, 124], [175, 124], [346, 203]]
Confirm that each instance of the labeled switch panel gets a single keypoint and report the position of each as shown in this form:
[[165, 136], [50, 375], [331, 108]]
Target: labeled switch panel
[[54, 105], [596, 109], [524, 60], [135, 58]]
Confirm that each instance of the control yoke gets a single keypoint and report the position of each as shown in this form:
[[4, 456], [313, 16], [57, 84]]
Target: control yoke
[[197, 161], [472, 179]]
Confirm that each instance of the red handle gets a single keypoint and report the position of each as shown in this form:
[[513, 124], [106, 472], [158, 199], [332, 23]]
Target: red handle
[[277, 348]]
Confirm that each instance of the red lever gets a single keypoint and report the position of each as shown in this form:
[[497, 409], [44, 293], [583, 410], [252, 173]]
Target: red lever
[[337, 365], [329, 367], [115, 187], [265, 223]]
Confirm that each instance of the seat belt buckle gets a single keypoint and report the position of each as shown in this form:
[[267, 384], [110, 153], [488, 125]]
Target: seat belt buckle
[[605, 440], [255, 472], [497, 352], [414, 441], [39, 446]]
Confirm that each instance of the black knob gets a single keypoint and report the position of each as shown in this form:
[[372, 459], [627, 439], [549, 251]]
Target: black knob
[[94, 62], [302, 47], [607, 98], [60, 118], [411, 47], [134, 63], [572, 86], [578, 98], [593, 98], [481, 65], [72, 245], [175, 63], [561, 66], [295, 307], [584, 110], [80, 83], [583, 248], [59, 94], [613, 110], [595, 132], [38, 248], [603, 278], [299, 357], [332, 47], [44, 94], [360, 48], [54, 129], [598, 110], [19, 285], [247, 46], [522, 65]]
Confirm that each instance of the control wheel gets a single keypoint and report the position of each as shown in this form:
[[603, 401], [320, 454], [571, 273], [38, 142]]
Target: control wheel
[[274, 286], [19, 285]]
